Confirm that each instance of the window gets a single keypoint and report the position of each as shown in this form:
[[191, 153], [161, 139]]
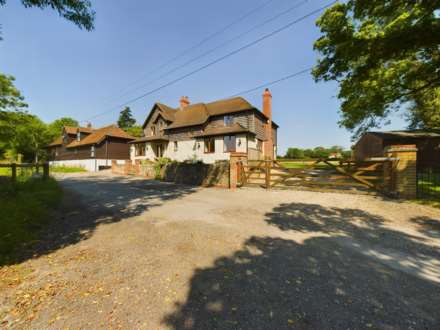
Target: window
[[229, 143], [153, 130], [92, 151], [228, 120], [139, 150], [176, 147], [209, 145], [56, 151], [78, 136], [259, 145]]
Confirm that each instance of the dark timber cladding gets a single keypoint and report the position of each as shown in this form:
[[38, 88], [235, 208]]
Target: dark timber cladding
[[78, 143], [372, 144]]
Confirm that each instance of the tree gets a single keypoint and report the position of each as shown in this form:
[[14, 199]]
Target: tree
[[126, 119], [77, 11], [10, 96], [135, 131], [56, 126], [294, 153], [384, 55]]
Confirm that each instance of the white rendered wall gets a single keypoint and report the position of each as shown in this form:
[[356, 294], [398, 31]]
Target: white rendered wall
[[193, 149], [91, 165]]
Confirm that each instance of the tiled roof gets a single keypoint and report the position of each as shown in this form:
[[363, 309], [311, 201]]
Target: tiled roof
[[234, 129], [100, 134], [57, 142], [150, 139], [74, 130], [420, 134]]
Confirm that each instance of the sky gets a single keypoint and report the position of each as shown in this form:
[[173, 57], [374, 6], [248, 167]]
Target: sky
[[65, 71]]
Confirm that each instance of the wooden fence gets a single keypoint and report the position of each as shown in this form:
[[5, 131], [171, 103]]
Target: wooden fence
[[320, 174], [15, 166]]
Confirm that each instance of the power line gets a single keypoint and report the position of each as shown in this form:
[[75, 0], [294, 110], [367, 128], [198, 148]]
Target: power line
[[206, 39], [266, 36], [273, 82], [166, 74]]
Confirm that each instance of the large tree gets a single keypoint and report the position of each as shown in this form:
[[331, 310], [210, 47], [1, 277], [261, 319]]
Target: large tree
[[77, 11], [385, 56], [10, 96], [57, 125], [126, 119]]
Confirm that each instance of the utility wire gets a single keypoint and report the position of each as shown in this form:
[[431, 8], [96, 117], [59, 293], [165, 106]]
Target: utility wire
[[266, 36], [203, 41], [273, 82], [194, 59]]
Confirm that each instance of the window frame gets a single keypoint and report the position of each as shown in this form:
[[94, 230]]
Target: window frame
[[207, 145], [139, 150], [225, 149], [176, 146], [92, 151], [228, 120]]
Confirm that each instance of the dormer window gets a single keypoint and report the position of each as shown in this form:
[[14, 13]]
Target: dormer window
[[228, 120]]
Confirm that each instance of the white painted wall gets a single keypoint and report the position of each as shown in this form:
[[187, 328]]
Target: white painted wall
[[91, 165], [193, 149]]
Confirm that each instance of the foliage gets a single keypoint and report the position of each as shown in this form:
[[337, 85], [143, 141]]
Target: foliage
[[25, 209], [77, 11], [158, 165], [10, 96], [55, 128], [318, 152], [66, 169], [385, 56], [135, 131], [126, 119]]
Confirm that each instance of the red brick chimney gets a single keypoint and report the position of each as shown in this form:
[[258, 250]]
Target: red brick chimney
[[184, 101], [267, 110]]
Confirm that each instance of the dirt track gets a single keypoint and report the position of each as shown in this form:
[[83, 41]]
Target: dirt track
[[130, 254]]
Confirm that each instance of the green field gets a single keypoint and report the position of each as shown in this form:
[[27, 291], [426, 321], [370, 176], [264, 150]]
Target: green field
[[25, 209], [299, 164], [66, 169]]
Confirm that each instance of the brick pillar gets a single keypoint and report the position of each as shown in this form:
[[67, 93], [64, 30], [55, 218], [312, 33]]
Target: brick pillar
[[235, 157], [404, 170]]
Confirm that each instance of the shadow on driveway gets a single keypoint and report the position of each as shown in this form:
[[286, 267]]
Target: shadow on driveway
[[90, 201], [322, 283]]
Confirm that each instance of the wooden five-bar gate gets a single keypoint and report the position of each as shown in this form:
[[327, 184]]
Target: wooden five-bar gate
[[322, 174]]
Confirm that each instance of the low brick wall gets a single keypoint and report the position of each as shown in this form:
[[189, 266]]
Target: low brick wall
[[198, 174]]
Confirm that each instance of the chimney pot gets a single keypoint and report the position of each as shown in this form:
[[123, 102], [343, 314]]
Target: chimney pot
[[184, 102], [267, 110]]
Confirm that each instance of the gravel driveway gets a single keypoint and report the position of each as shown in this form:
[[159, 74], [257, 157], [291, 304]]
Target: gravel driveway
[[128, 253]]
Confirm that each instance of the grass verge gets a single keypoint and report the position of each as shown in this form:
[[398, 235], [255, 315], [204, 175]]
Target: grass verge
[[66, 169], [25, 209], [429, 202]]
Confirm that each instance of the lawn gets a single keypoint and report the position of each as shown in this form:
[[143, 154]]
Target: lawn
[[25, 209], [299, 164], [66, 169]]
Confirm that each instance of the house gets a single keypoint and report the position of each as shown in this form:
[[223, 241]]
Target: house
[[372, 144], [90, 148], [208, 132]]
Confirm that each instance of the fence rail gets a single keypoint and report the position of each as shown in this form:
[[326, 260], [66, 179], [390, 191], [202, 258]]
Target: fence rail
[[15, 166]]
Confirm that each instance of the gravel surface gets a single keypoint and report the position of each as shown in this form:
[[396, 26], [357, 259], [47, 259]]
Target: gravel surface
[[127, 253]]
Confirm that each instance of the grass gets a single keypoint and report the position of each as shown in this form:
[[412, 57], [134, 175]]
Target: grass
[[66, 169], [299, 164], [25, 209]]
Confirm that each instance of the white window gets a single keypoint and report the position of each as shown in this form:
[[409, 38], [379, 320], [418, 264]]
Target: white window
[[229, 143], [228, 120], [92, 151], [78, 136], [176, 147]]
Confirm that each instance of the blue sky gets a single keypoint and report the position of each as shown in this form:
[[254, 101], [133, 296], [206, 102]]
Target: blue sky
[[65, 71]]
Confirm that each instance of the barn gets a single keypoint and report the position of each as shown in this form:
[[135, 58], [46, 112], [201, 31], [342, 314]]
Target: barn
[[372, 144]]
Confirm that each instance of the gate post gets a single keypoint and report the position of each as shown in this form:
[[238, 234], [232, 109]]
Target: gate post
[[404, 170], [234, 159]]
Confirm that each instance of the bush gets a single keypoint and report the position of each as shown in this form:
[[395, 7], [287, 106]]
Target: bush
[[158, 165]]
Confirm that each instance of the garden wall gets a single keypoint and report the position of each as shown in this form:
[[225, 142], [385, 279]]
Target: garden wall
[[196, 174]]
